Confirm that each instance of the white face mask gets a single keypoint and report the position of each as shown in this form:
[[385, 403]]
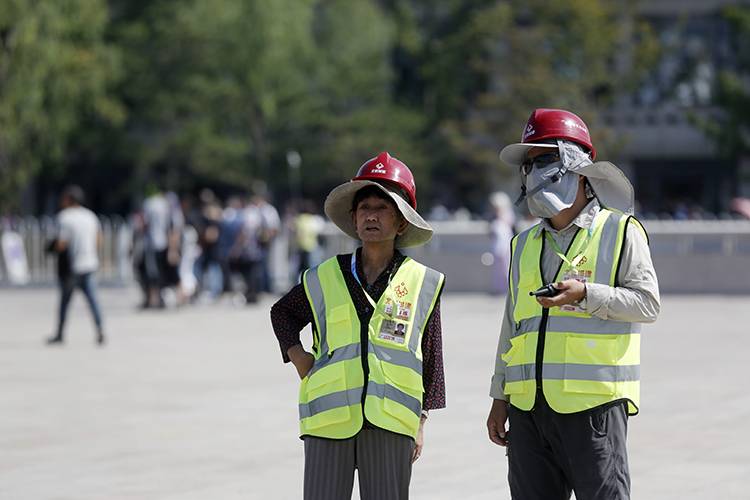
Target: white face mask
[[556, 196]]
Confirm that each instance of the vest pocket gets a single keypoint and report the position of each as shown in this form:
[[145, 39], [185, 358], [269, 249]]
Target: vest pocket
[[515, 357], [587, 360], [338, 320], [327, 380], [338, 314], [326, 398], [408, 394]]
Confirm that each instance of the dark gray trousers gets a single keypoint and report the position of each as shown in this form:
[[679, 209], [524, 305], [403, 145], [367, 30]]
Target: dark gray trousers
[[382, 458], [551, 454]]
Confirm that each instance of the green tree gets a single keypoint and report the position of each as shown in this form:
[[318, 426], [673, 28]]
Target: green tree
[[55, 72], [219, 90], [484, 65], [731, 128], [353, 88], [206, 81]]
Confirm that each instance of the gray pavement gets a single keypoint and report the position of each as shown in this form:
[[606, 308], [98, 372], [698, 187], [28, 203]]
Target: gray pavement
[[196, 404]]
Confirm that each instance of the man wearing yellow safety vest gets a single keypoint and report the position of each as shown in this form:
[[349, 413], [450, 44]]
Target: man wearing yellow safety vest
[[581, 282], [376, 362]]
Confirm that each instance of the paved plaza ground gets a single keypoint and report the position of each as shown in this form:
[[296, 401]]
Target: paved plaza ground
[[196, 404]]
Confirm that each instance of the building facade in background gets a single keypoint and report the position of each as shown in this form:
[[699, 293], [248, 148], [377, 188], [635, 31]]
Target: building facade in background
[[676, 168]]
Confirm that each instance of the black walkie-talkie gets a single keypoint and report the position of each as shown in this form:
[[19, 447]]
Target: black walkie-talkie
[[548, 290]]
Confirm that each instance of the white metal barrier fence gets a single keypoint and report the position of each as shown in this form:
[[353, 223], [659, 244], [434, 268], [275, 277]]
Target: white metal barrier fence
[[35, 234], [689, 256]]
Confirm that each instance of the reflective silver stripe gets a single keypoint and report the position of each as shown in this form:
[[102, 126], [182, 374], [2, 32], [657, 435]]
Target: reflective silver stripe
[[520, 372], [590, 325], [606, 255], [516, 263], [569, 324], [351, 351], [319, 303], [572, 371], [598, 373], [430, 284], [388, 391], [528, 325], [330, 401], [398, 357]]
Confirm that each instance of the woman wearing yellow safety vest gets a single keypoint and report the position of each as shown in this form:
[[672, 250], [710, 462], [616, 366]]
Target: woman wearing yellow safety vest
[[567, 369], [376, 362]]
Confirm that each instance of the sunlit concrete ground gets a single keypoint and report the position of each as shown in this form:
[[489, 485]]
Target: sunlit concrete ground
[[196, 404]]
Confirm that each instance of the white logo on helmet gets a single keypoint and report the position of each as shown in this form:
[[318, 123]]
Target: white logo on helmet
[[379, 169], [529, 131], [572, 123]]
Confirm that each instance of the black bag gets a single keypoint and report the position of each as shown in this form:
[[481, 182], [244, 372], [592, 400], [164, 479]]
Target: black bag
[[64, 268]]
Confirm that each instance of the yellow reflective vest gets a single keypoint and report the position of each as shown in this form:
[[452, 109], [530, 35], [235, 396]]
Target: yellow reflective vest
[[334, 397], [578, 360]]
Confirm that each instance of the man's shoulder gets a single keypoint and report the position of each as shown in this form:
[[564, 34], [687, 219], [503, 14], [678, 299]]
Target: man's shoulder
[[529, 231]]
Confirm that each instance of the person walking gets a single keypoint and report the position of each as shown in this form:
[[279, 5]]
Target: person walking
[[567, 368], [156, 218], [376, 363], [245, 254], [81, 236]]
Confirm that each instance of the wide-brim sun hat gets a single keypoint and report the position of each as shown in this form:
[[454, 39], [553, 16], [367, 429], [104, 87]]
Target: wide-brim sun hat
[[566, 132], [515, 154], [611, 186], [395, 180]]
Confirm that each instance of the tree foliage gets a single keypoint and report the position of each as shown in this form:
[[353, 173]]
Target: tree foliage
[[731, 127], [215, 92], [55, 72]]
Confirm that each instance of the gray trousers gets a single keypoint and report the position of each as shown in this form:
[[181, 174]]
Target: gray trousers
[[382, 458], [550, 454]]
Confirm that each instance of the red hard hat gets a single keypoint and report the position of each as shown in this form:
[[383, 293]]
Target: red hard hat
[[557, 124], [386, 168]]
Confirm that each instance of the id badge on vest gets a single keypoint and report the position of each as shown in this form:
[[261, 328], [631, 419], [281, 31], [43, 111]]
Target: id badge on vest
[[396, 312], [392, 329], [578, 275]]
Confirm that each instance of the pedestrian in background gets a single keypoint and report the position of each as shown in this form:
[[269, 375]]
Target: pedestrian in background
[[270, 227], [228, 245], [567, 368], [369, 382], [80, 236], [501, 232], [307, 228], [173, 257], [248, 255], [243, 229], [208, 263]]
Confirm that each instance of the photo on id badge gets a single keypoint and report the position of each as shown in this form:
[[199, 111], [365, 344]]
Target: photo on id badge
[[393, 331]]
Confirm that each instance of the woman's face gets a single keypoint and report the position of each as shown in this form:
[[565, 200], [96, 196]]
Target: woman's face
[[377, 220]]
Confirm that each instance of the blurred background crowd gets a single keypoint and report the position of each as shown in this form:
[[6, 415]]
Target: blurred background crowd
[[206, 133]]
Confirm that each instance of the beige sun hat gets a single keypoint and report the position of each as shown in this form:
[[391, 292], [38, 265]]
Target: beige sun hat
[[395, 180], [610, 184]]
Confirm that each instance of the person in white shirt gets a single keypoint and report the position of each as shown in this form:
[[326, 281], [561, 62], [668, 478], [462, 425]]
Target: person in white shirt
[[80, 234]]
